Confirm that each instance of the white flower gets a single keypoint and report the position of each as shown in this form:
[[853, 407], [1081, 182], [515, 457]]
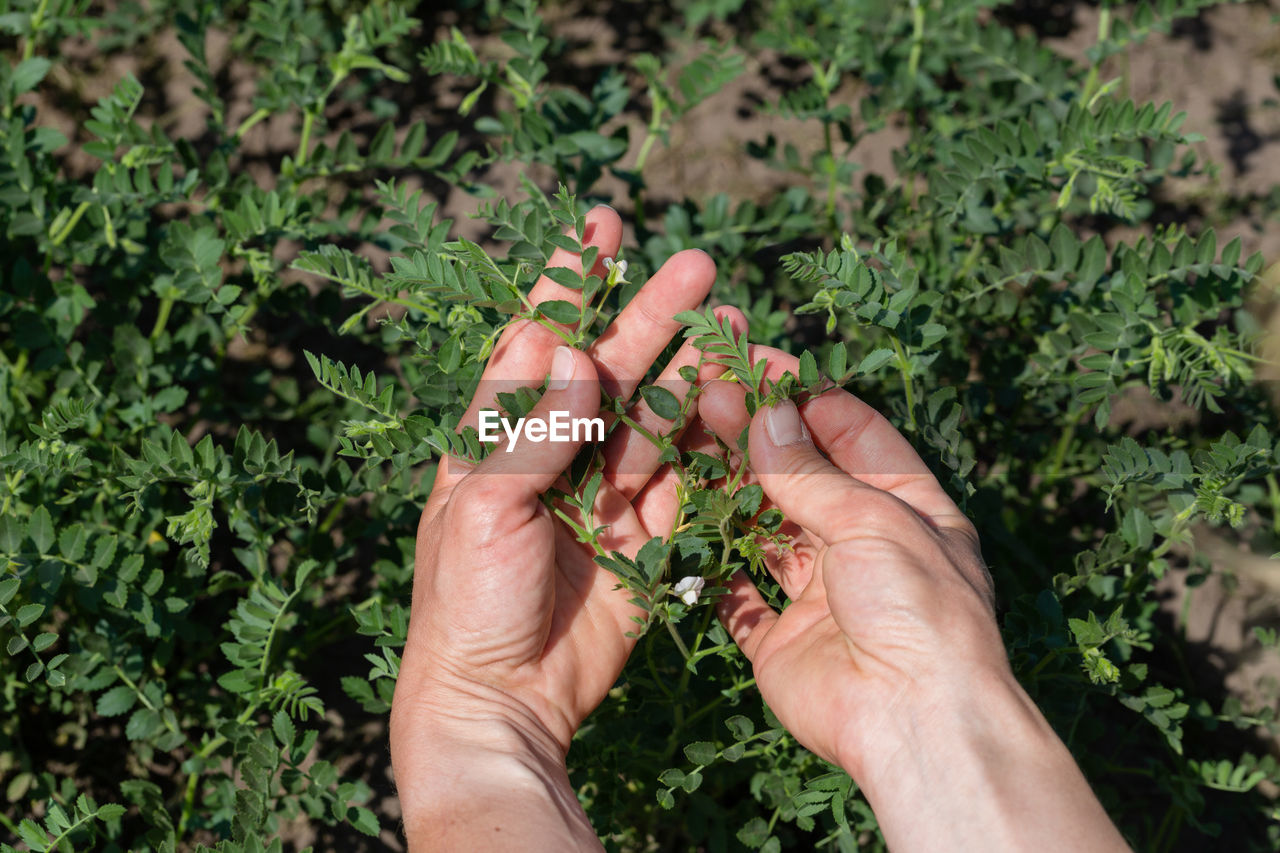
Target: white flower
[[617, 270], [687, 589]]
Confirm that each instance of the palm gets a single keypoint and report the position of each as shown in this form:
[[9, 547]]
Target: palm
[[510, 599], [867, 530]]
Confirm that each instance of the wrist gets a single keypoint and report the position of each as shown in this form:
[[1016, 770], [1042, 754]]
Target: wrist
[[456, 738], [974, 717], [962, 769], [466, 762]]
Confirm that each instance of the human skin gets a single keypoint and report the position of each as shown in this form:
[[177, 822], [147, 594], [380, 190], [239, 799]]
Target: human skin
[[515, 633], [887, 661]]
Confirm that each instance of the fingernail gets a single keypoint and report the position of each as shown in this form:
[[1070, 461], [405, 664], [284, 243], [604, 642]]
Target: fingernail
[[784, 425], [561, 369]]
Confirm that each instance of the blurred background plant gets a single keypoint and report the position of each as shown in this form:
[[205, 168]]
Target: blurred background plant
[[255, 255]]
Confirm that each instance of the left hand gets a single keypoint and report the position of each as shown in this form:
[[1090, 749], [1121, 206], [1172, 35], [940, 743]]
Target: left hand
[[516, 634]]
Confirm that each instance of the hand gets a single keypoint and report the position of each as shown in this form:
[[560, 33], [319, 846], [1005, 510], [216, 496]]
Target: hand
[[516, 634], [887, 659]]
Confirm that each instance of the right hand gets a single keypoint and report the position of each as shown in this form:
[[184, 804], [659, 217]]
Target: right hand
[[887, 660], [890, 602]]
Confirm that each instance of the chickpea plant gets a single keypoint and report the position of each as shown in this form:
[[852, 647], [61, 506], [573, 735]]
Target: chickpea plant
[[233, 349]]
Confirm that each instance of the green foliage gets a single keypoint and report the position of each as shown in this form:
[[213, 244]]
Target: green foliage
[[224, 376]]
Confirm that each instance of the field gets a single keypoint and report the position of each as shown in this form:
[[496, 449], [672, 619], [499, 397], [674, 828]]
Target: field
[[255, 255]]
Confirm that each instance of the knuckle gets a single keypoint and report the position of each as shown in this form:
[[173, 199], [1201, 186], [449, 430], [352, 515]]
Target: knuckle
[[882, 511], [474, 500]]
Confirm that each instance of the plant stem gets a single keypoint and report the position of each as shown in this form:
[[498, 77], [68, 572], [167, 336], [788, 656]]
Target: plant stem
[[37, 18], [11, 488], [831, 175], [1104, 33], [308, 121], [1064, 444], [1043, 662], [653, 439], [188, 805], [684, 675], [332, 516], [257, 116], [1273, 490], [637, 195], [908, 387], [65, 231], [684, 651], [162, 318], [53, 845], [917, 38]]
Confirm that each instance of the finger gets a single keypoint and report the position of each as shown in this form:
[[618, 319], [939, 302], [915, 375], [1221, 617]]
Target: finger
[[507, 484], [857, 438], [793, 567], [642, 331], [722, 406], [657, 503], [657, 506], [523, 353], [603, 229], [630, 458], [449, 472], [745, 614], [822, 499]]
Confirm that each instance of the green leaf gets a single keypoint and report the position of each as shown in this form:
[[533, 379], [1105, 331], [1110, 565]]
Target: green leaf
[[741, 727], [559, 311], [701, 752], [663, 403], [29, 613], [1093, 260], [40, 529], [564, 277], [116, 701], [8, 589], [809, 375], [874, 360], [754, 832], [1065, 246], [283, 728], [838, 364], [672, 777], [29, 72], [12, 532], [34, 837], [72, 541], [105, 551], [364, 820], [144, 724], [1037, 253], [109, 812]]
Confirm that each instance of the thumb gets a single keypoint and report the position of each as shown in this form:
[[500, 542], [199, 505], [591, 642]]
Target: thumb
[[799, 479], [546, 440]]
